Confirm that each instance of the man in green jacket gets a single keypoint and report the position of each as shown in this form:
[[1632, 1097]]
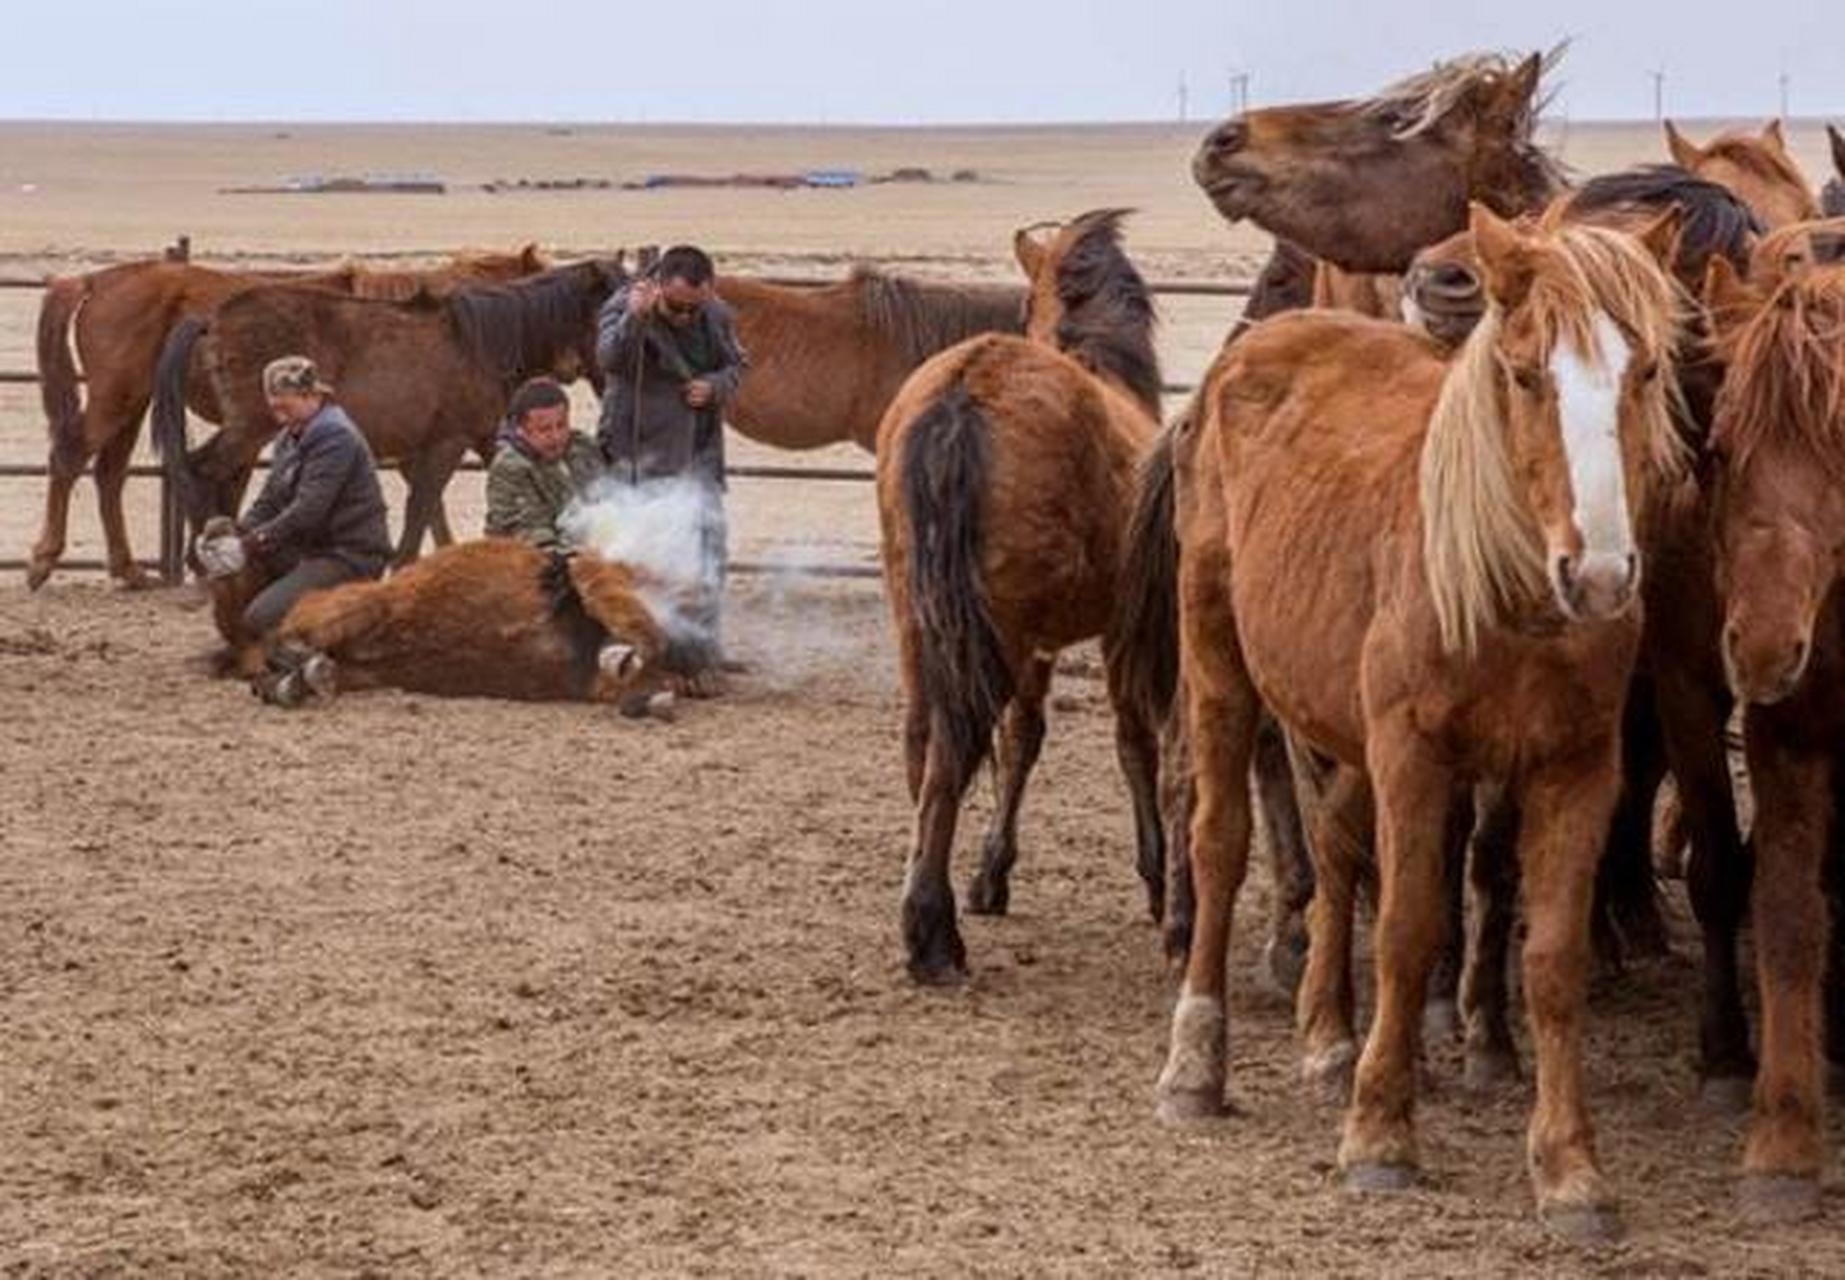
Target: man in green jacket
[[539, 469]]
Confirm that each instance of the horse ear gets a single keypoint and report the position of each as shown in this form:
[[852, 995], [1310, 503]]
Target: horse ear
[[1028, 251], [1660, 236], [1685, 153], [532, 260], [1505, 256], [1522, 85], [1838, 149], [1725, 295], [1774, 135]]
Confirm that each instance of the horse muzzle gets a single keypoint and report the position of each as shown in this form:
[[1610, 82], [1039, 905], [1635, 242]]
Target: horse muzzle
[[1596, 585], [1763, 670]]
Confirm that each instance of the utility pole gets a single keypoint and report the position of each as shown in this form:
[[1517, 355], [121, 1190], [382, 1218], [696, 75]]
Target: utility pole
[[1184, 113], [1239, 92], [1783, 83], [1659, 94]]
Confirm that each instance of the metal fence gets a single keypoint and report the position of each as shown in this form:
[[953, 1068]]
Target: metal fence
[[171, 561]]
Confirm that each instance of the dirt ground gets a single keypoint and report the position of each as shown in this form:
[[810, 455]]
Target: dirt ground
[[405, 986]]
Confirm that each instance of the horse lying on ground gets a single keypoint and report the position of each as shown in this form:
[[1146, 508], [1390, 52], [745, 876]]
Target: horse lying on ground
[[118, 318], [1005, 471]]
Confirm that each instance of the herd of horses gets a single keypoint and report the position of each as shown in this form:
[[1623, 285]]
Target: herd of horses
[[1500, 499]]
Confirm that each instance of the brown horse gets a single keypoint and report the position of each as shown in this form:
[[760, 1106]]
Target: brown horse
[[1780, 437], [493, 618], [1759, 168], [1005, 470], [119, 318], [1426, 569], [1365, 183], [825, 362], [426, 380]]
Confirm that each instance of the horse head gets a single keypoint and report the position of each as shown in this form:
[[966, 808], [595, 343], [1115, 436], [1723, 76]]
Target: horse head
[[1087, 299], [1758, 167]]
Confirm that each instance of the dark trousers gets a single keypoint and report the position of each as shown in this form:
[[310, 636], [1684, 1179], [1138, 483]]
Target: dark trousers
[[272, 603]]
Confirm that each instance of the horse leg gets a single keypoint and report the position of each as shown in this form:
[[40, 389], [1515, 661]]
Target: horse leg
[[1489, 1056], [427, 475], [63, 472], [1137, 751], [1718, 875], [1793, 795], [111, 476], [439, 531], [1021, 738], [1277, 785], [1441, 1017], [1178, 800], [1222, 714], [936, 952], [1627, 913], [1563, 809], [1340, 812], [1414, 795]]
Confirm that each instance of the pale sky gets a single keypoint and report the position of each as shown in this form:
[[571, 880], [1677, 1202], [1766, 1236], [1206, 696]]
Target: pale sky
[[874, 61]]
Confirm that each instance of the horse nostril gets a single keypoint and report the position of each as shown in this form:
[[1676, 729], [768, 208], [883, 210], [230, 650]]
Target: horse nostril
[[1228, 137], [1452, 276], [1566, 571], [1799, 660]]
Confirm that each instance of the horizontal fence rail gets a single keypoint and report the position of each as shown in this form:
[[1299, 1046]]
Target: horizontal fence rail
[[172, 539]]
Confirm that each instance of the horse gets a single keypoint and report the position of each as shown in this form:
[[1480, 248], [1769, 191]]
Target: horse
[[826, 361], [1365, 183], [1426, 568], [494, 618], [1780, 444], [119, 317], [1004, 473], [425, 380], [1759, 168]]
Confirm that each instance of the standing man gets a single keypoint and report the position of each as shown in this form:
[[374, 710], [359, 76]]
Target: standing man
[[669, 348], [540, 467], [318, 522]]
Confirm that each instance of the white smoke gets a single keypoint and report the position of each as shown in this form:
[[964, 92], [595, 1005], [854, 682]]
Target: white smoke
[[671, 531]]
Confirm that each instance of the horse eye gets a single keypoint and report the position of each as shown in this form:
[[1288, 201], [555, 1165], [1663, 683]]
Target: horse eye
[[1528, 378], [1648, 371]]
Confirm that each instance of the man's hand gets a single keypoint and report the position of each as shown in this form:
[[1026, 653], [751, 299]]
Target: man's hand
[[698, 393], [643, 298]]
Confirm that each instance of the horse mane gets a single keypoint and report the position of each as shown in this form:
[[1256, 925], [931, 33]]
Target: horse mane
[[921, 318], [1108, 315], [1714, 220], [1785, 373], [519, 327], [1482, 552]]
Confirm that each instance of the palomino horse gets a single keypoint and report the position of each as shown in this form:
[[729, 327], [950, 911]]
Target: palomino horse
[[1426, 569], [1759, 168], [825, 362], [494, 618], [1780, 438], [1005, 470], [426, 380], [119, 318], [1365, 183]]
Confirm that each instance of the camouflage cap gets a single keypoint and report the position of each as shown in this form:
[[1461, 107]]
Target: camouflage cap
[[293, 375]]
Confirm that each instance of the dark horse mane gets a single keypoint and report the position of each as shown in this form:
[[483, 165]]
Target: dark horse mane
[[1108, 318], [517, 329], [1715, 220], [922, 317]]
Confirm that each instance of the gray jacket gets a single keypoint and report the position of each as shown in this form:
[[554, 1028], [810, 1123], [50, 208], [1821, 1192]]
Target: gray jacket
[[648, 431], [321, 499]]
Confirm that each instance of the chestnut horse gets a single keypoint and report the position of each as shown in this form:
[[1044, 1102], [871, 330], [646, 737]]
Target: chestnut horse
[[494, 618], [1759, 168], [1780, 438], [1426, 568], [119, 317], [826, 361], [425, 380], [1005, 470]]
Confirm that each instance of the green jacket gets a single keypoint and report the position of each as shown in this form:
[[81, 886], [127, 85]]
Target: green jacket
[[525, 496]]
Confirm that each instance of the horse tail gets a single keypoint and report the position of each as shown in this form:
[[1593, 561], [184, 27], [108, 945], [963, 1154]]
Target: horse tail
[[943, 482], [169, 411], [1143, 638], [57, 369]]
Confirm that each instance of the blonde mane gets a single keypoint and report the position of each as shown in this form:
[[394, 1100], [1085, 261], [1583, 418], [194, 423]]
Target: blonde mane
[[1482, 552], [1421, 101]]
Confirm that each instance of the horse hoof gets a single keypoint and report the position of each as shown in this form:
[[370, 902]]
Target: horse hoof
[[1583, 1224], [1488, 1070], [936, 973], [1778, 1197], [1441, 1020], [1190, 1106], [1328, 1072], [37, 574], [1726, 1095], [1373, 1178], [988, 895]]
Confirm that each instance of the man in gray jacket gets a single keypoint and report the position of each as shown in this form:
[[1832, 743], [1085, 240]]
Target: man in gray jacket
[[318, 522]]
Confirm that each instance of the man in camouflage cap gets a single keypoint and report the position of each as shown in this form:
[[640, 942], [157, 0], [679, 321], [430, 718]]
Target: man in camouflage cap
[[540, 467], [318, 522]]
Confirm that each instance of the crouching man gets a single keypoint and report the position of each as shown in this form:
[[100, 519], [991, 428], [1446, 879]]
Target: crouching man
[[540, 467], [318, 522]]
